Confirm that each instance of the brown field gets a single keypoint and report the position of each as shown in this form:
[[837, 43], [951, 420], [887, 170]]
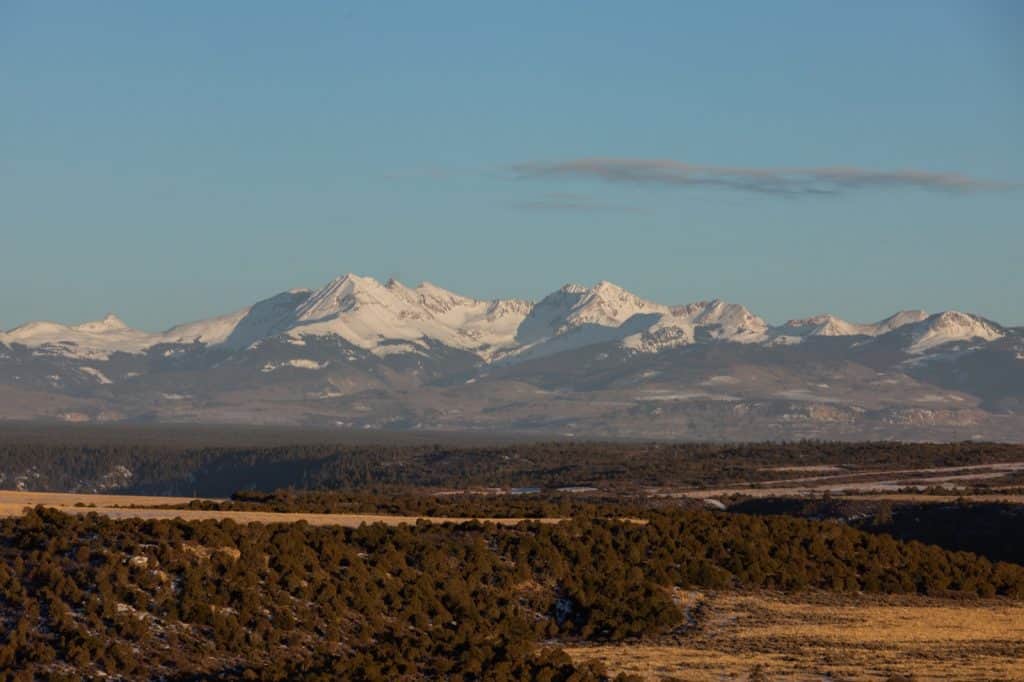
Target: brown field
[[14, 503], [827, 637], [100, 500]]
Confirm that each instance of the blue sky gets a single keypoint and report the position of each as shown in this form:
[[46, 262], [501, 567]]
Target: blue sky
[[171, 161]]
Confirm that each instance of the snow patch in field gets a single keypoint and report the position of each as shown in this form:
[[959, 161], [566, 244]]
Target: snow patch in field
[[684, 395], [298, 363], [327, 395], [95, 374], [804, 395], [385, 350]]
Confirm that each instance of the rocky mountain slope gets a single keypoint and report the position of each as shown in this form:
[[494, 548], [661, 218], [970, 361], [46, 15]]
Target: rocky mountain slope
[[592, 361]]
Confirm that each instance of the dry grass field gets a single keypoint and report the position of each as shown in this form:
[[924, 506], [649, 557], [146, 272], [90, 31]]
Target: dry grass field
[[13, 503], [825, 637], [23, 498]]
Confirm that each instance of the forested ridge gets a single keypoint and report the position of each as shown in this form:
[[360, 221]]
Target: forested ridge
[[84, 595], [169, 462]]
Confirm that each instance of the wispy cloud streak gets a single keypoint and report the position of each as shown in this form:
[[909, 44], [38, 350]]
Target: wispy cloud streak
[[776, 181]]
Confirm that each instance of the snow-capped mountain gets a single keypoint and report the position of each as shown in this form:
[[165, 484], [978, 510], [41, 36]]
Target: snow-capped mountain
[[358, 351], [830, 325], [949, 327], [392, 318], [373, 316], [91, 339]]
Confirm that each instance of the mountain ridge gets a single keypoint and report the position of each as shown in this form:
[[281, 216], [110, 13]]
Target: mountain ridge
[[598, 361], [366, 312]]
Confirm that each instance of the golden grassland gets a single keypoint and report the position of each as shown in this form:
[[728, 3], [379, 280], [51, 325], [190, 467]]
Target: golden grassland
[[23, 498], [14, 503], [829, 637]]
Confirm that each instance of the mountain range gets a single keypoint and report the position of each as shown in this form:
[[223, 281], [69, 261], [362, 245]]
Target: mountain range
[[594, 361]]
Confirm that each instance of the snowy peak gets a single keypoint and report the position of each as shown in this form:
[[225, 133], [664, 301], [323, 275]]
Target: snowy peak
[[96, 339], [609, 305], [110, 323], [509, 307], [823, 325], [549, 316], [900, 319], [723, 319], [440, 301], [30, 330], [342, 294], [682, 325], [830, 325], [372, 316], [576, 307], [571, 288], [951, 326]]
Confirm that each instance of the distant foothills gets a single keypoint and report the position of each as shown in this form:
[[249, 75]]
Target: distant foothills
[[583, 361]]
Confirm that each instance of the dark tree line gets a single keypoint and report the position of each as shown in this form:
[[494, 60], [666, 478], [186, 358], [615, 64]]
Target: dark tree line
[[991, 529], [174, 464]]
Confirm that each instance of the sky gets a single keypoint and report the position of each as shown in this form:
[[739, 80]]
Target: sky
[[173, 161]]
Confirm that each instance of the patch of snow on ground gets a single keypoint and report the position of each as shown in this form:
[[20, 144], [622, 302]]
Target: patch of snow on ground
[[805, 396], [96, 374], [298, 363], [385, 350], [686, 395], [720, 379], [937, 398]]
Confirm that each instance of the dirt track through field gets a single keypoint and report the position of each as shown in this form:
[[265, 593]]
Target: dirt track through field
[[14, 503], [874, 484], [1005, 498]]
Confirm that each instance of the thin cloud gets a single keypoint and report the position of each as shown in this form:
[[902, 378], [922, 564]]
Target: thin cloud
[[776, 181]]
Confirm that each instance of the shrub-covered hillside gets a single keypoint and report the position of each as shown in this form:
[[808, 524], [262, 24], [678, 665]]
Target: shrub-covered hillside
[[87, 595]]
